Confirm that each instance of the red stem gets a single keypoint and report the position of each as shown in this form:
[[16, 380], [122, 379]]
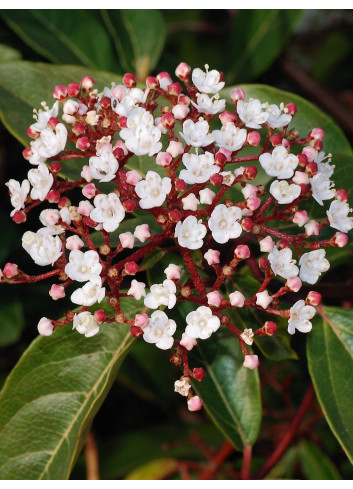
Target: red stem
[[245, 469], [214, 465]]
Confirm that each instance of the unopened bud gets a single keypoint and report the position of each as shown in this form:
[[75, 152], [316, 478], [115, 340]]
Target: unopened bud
[[199, 374], [100, 316], [194, 403], [270, 328], [136, 332], [291, 108], [341, 195], [131, 268], [251, 361], [60, 92], [19, 217], [339, 239], [317, 133], [253, 138], [250, 172], [87, 83], [83, 143], [242, 252], [180, 185], [152, 82], [294, 284], [168, 120], [237, 94], [73, 89], [311, 168], [129, 80], [55, 167], [10, 270], [247, 224], [313, 298], [276, 140], [226, 116], [175, 89], [216, 179], [53, 197], [183, 71]]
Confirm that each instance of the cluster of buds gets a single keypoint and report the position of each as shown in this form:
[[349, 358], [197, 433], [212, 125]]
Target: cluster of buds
[[194, 198]]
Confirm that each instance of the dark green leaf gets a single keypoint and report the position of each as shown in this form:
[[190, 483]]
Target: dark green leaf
[[152, 259], [51, 397], [315, 464], [8, 53], [330, 357], [231, 392], [11, 322], [257, 38], [156, 469], [61, 36]]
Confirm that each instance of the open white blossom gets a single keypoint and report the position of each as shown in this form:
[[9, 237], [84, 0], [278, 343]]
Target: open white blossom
[[312, 265], [182, 386], [284, 192], [251, 113], [196, 133], [224, 224], [299, 317], [160, 330], [103, 167], [282, 262], [49, 218], [208, 82], [338, 216], [44, 250], [83, 266], [108, 210], [141, 135], [41, 180], [153, 190], [43, 117], [90, 293], [85, 323], [230, 137], [199, 168], [49, 144], [201, 323], [19, 193], [161, 295], [321, 187], [190, 233], [276, 117], [208, 105], [324, 166], [279, 163]]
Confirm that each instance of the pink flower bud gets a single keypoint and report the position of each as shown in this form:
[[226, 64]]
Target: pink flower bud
[[141, 320], [142, 232], [249, 190], [226, 116], [212, 257], [73, 89], [60, 92], [270, 328], [311, 168], [216, 179], [131, 268], [312, 228], [190, 202], [168, 120], [57, 292], [276, 140], [313, 298], [183, 71], [10, 270], [120, 145], [180, 185], [267, 244], [251, 361], [226, 152], [291, 108], [194, 403], [175, 149], [310, 153], [188, 342], [83, 143], [250, 172], [253, 138], [32, 134], [19, 217], [90, 191], [85, 208], [341, 195], [206, 196], [74, 243], [173, 272], [133, 177], [164, 159], [236, 299], [340, 240], [214, 298], [64, 202], [45, 327], [253, 203], [175, 89], [129, 205], [127, 240], [100, 316], [164, 80], [300, 218], [263, 299], [237, 94], [242, 252], [247, 224], [136, 332], [53, 197], [85, 173], [27, 153], [294, 284], [317, 133], [220, 159], [301, 177], [55, 167], [87, 83], [199, 374], [152, 82], [180, 111]]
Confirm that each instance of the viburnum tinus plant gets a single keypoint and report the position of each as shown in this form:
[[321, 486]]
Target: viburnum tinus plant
[[201, 196]]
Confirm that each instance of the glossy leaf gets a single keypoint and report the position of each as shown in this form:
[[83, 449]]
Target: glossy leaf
[[8, 53], [152, 259], [315, 464], [51, 397], [139, 37], [330, 357], [231, 392], [156, 469], [11, 322], [257, 38], [90, 46]]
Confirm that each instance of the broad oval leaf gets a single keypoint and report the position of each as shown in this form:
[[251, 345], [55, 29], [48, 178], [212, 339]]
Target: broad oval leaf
[[316, 465], [330, 357], [230, 392], [51, 397], [7, 53]]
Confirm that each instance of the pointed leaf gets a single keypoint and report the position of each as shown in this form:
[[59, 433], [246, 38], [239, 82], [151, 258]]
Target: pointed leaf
[[315, 464], [8, 53]]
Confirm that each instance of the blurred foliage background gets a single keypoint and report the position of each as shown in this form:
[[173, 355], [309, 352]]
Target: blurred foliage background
[[143, 427]]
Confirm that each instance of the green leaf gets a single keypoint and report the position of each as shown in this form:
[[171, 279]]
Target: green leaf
[[139, 37], [330, 357], [51, 397], [156, 469], [8, 53], [257, 38], [230, 392], [315, 464], [76, 37], [152, 259], [11, 322], [23, 85]]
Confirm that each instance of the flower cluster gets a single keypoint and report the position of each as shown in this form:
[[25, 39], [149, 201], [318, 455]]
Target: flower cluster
[[194, 196]]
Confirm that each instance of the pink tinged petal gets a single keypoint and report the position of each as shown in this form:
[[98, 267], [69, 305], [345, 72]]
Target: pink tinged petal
[[57, 292], [45, 327], [194, 403], [142, 232], [263, 299], [127, 240], [214, 298], [267, 244], [188, 342], [237, 299], [251, 361]]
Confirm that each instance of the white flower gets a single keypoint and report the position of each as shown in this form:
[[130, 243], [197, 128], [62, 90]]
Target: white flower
[[247, 336], [312, 264], [44, 250], [283, 192], [196, 133], [153, 190], [207, 82], [141, 135], [41, 180], [206, 104], [276, 118], [224, 223], [279, 164], [83, 266], [137, 289], [230, 137], [19, 193], [49, 218], [201, 323], [90, 293], [45, 327], [84, 323], [206, 196], [190, 233], [103, 167], [161, 295], [44, 116], [108, 210], [182, 386], [160, 330], [282, 263], [228, 178], [49, 144], [190, 202], [263, 299], [324, 166], [338, 216], [251, 113], [200, 168], [299, 316], [173, 272], [321, 187]]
